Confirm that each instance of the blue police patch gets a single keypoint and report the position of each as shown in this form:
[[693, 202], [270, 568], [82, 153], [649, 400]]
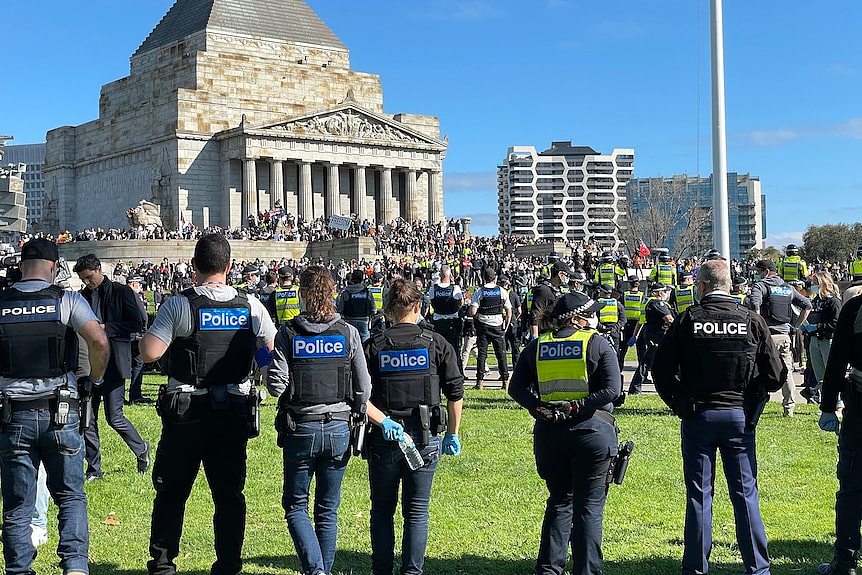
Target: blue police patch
[[30, 311], [491, 292], [551, 350], [395, 360], [782, 290], [319, 346], [224, 319]]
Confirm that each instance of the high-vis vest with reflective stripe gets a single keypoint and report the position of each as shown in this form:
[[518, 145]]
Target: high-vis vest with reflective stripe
[[684, 297], [561, 366], [740, 297], [286, 303], [607, 274], [666, 275], [377, 294], [529, 300], [642, 319], [633, 301], [610, 313], [856, 269], [790, 268]]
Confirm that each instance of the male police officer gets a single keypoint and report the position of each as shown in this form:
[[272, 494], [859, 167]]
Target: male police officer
[[792, 267], [656, 317], [40, 421], [682, 296], [714, 369], [493, 313], [286, 297], [633, 301], [740, 290], [856, 266], [210, 334], [356, 304], [608, 273], [446, 298], [250, 280], [664, 272], [545, 295], [376, 288], [612, 318], [846, 351], [773, 300]]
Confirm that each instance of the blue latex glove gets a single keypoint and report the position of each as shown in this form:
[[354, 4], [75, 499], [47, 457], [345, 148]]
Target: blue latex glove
[[809, 328], [263, 357], [632, 341], [451, 444], [828, 422], [392, 430]]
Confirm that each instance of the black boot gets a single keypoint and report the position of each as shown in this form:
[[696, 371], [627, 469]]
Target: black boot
[[838, 567]]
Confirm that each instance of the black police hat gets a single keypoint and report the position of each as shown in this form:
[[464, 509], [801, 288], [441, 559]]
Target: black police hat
[[561, 266], [40, 249], [250, 270], [285, 271], [575, 303]]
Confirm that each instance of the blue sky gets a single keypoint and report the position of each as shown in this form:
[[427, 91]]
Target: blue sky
[[503, 72]]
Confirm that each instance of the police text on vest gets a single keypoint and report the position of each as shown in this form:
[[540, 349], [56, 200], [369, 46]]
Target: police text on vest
[[720, 328], [404, 360]]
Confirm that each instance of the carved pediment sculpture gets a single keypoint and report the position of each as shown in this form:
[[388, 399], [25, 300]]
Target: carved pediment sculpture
[[348, 124]]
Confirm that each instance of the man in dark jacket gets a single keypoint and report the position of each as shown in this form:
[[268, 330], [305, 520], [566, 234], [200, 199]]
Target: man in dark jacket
[[119, 313]]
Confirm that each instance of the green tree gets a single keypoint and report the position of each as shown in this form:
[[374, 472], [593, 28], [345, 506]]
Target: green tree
[[832, 242]]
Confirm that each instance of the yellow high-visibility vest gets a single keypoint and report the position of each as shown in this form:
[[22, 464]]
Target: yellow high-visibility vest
[[561, 366], [633, 301], [610, 313], [286, 303], [684, 298]]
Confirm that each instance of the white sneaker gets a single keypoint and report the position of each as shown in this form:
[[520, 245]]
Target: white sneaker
[[38, 535]]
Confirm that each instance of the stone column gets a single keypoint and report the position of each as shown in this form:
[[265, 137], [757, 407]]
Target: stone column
[[385, 196], [249, 190], [359, 191], [276, 183], [435, 209], [305, 200], [332, 206], [411, 210]]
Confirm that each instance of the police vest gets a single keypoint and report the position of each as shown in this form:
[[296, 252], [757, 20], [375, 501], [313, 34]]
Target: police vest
[[646, 302], [377, 294], [666, 274], [720, 352], [610, 313], [633, 300], [358, 305], [607, 274], [221, 348], [561, 366], [791, 268], [444, 301], [740, 297], [491, 301], [529, 300], [286, 303], [684, 298], [776, 306], [319, 365], [856, 269], [34, 342], [407, 372]]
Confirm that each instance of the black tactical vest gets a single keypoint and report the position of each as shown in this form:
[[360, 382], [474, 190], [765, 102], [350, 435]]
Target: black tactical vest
[[408, 374], [776, 306], [443, 302], [491, 301], [319, 365], [34, 342], [358, 305], [221, 349], [720, 353]]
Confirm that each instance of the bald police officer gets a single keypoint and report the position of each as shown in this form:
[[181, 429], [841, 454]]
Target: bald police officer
[[714, 369], [210, 334]]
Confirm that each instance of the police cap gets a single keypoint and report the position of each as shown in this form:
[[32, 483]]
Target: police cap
[[250, 270], [605, 289], [739, 281], [791, 249], [607, 257], [634, 280], [655, 286], [575, 303], [859, 251], [563, 267], [40, 249], [578, 275], [131, 279], [285, 272], [553, 256]]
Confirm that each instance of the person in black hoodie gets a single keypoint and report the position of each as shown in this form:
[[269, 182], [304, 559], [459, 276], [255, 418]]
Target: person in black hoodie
[[120, 315], [821, 325]]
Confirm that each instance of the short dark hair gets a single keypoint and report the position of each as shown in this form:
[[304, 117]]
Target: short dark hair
[[87, 262], [489, 275], [212, 254]]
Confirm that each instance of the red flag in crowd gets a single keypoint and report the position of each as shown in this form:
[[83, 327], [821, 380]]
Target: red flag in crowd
[[643, 251]]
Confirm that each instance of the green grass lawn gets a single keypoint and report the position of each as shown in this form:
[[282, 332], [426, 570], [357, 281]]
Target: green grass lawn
[[487, 504]]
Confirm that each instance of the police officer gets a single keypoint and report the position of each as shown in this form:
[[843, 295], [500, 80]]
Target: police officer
[[612, 318], [266, 295], [410, 368], [664, 272], [40, 398], [656, 317], [286, 298], [855, 268], [567, 379], [250, 280], [356, 304], [209, 335], [715, 369], [633, 302], [846, 351], [511, 336], [773, 300], [682, 296], [792, 267], [608, 272], [545, 295], [740, 290], [492, 312], [319, 374], [446, 299], [376, 288]]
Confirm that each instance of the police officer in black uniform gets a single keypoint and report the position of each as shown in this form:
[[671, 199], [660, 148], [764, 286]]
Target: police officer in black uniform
[[446, 299], [512, 335], [715, 369], [568, 379], [209, 335], [657, 317], [846, 351], [40, 418], [545, 294], [492, 312], [410, 368], [356, 304]]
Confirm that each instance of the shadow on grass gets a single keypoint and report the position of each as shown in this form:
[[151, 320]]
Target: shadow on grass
[[473, 402]]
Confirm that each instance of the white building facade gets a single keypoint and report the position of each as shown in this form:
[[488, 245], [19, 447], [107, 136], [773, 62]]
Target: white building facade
[[564, 193], [34, 180]]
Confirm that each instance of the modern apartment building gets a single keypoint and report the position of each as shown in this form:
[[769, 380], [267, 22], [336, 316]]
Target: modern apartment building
[[34, 181], [746, 208], [564, 193]]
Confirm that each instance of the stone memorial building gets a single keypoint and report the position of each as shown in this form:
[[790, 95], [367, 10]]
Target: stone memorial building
[[232, 107]]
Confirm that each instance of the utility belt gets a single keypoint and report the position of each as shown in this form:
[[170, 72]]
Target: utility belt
[[60, 404], [286, 421], [430, 420], [184, 407], [568, 412]]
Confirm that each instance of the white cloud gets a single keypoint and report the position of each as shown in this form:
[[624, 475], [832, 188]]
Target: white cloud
[[850, 129], [841, 70], [456, 10], [470, 181], [781, 239], [760, 138]]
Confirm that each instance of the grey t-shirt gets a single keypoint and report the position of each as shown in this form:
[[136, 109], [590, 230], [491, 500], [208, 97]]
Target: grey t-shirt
[[174, 320], [74, 312]]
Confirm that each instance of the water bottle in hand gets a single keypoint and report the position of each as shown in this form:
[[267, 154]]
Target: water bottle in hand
[[411, 454]]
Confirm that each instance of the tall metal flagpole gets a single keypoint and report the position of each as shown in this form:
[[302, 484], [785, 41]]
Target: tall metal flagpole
[[720, 225]]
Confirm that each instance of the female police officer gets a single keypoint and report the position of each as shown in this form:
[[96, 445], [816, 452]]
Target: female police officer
[[567, 379], [410, 367], [318, 372]]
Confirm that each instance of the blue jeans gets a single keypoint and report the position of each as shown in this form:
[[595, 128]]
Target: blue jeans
[[387, 469], [28, 439], [320, 450], [703, 434], [361, 326], [40, 514]]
